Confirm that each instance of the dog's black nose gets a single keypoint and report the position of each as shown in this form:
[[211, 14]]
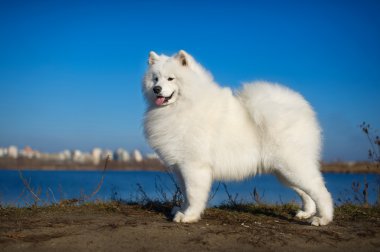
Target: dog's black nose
[[157, 89]]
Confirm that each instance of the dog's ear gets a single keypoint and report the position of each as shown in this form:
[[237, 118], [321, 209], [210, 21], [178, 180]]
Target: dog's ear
[[183, 57], [153, 57]]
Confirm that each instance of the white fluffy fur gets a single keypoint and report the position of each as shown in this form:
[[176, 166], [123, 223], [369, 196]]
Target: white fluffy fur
[[205, 132]]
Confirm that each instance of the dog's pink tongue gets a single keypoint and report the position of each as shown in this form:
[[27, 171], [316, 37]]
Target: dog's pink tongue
[[160, 101]]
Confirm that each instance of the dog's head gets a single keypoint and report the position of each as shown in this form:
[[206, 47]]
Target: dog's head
[[164, 80]]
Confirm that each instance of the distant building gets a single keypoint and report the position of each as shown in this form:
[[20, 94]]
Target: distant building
[[122, 155], [28, 152], [151, 156], [3, 152], [81, 157], [77, 156], [137, 156], [66, 155], [52, 156], [96, 155], [12, 152], [87, 158]]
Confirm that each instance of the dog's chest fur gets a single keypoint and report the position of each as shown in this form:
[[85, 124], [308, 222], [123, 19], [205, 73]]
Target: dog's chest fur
[[209, 134]]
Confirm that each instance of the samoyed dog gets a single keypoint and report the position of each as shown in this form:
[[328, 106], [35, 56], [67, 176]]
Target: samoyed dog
[[204, 132]]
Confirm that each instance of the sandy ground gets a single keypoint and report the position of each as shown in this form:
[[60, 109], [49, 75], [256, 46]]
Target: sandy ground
[[117, 227]]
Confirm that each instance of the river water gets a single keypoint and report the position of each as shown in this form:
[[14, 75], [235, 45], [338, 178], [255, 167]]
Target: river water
[[53, 186]]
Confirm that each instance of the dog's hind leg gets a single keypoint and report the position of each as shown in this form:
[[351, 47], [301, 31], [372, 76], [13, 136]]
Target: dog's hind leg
[[308, 205], [197, 180], [311, 183]]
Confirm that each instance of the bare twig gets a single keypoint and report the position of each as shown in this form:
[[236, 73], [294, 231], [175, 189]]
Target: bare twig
[[256, 196], [28, 187], [231, 200], [140, 189], [85, 197], [374, 141], [52, 194], [177, 196], [213, 193], [160, 190]]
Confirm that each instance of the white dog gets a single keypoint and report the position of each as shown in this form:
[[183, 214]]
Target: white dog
[[205, 132]]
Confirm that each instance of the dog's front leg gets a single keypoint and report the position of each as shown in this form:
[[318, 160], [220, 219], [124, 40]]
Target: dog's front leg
[[197, 180]]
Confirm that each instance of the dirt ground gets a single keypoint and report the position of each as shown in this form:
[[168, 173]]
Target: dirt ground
[[118, 227]]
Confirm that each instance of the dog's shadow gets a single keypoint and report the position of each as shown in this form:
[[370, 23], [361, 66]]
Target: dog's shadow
[[282, 212], [163, 208], [285, 212]]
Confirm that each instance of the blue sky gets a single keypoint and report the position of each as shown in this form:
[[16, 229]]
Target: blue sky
[[70, 71]]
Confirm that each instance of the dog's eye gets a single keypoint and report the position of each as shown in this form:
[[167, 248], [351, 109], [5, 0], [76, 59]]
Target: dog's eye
[[170, 79], [155, 79]]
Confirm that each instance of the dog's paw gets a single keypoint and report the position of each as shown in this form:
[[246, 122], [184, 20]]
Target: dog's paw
[[304, 215], [185, 218], [178, 216], [319, 221]]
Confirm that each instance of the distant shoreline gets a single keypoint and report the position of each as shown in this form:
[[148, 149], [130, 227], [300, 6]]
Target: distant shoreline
[[36, 164], [150, 165]]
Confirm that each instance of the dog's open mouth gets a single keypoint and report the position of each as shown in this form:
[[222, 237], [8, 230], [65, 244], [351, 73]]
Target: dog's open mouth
[[161, 100]]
